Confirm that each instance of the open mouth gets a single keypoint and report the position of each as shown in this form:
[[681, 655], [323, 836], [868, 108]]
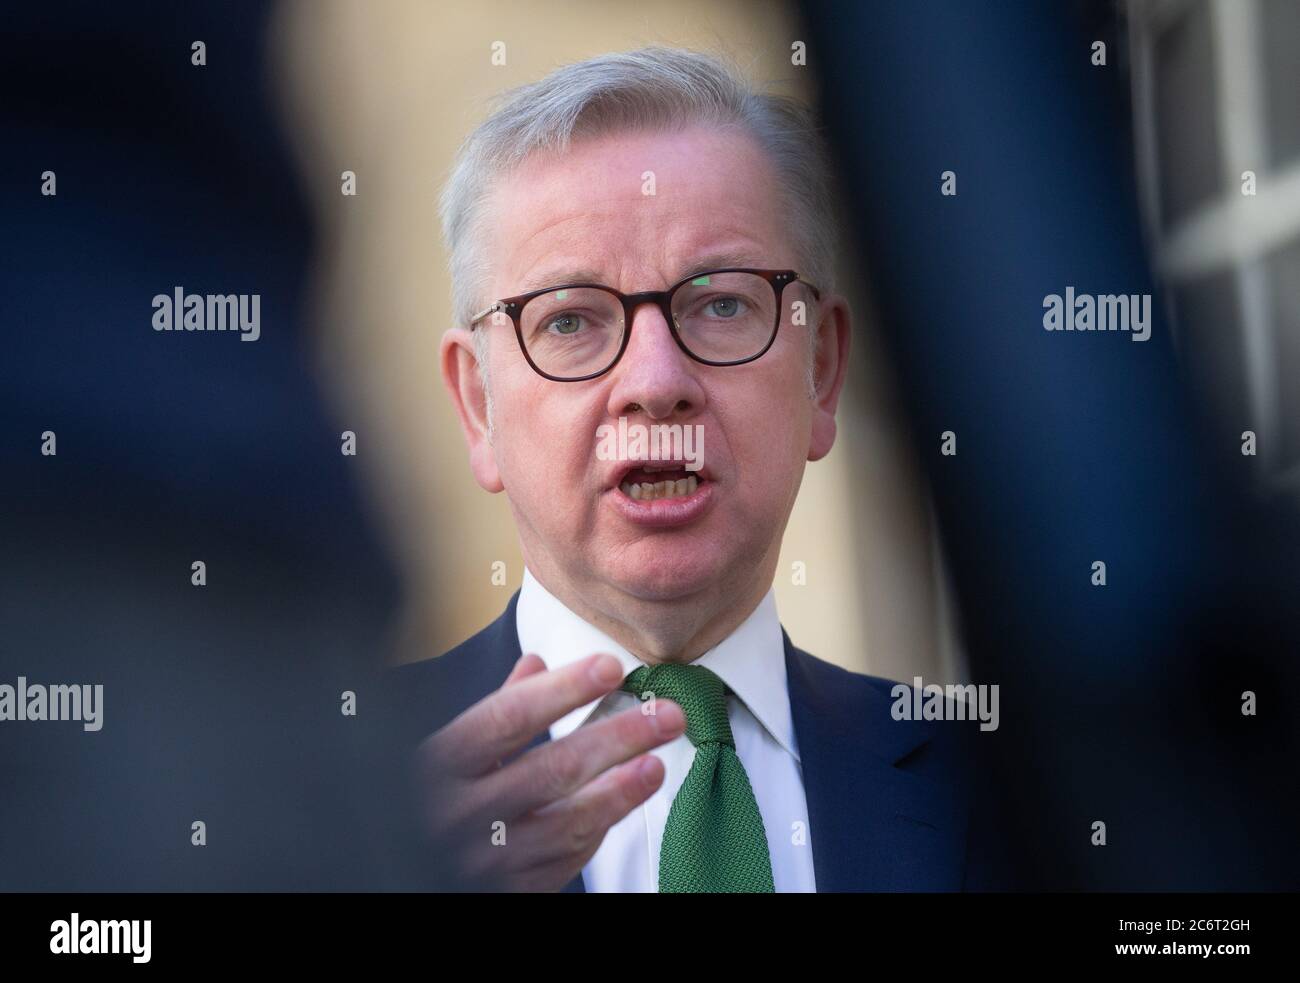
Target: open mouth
[[648, 482]]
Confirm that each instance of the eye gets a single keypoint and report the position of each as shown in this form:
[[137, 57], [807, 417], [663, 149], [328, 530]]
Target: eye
[[725, 307], [564, 324]]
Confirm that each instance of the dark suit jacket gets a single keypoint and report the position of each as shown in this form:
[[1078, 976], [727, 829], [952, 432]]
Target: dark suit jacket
[[891, 804]]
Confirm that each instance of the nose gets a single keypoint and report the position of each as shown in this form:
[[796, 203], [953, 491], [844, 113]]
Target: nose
[[654, 375]]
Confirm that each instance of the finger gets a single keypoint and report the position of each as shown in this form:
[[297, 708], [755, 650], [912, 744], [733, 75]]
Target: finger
[[506, 719], [559, 768], [574, 827], [528, 665]]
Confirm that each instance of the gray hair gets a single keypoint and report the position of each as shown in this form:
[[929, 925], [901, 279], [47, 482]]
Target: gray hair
[[654, 87]]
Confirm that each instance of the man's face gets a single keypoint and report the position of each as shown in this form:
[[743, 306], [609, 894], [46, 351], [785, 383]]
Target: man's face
[[587, 210]]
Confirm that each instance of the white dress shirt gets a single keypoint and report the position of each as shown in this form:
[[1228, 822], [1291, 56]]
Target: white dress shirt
[[751, 662]]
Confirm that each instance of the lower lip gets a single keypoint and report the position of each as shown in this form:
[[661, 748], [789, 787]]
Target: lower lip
[[663, 513]]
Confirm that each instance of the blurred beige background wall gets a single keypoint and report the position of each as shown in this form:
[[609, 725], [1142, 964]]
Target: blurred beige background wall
[[388, 91]]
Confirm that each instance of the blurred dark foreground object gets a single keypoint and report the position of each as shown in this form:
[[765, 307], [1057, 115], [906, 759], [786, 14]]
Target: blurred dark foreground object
[[1121, 704]]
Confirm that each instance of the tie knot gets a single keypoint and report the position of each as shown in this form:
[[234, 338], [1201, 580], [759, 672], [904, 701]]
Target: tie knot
[[700, 693]]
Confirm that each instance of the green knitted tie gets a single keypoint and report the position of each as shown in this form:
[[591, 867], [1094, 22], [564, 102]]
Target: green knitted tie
[[714, 839]]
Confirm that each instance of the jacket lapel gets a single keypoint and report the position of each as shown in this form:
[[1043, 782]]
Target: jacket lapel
[[874, 824]]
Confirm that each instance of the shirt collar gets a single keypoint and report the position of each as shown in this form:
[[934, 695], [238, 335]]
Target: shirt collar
[[750, 661]]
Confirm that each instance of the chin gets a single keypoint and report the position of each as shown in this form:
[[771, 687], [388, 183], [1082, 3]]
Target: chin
[[664, 578]]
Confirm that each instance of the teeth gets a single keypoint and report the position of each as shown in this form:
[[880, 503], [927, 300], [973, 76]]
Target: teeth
[[645, 491]]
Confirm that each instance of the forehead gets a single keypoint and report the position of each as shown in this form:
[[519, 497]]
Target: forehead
[[633, 208]]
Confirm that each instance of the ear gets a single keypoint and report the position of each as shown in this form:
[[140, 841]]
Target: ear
[[830, 366], [461, 377]]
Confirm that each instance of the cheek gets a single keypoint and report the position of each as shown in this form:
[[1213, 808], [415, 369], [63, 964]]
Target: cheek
[[517, 439], [545, 451], [767, 456], [770, 420]]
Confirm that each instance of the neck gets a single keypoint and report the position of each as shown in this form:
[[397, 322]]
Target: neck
[[679, 630]]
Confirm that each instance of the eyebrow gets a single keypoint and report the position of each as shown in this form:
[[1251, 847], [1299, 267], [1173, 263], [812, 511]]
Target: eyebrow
[[703, 264]]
